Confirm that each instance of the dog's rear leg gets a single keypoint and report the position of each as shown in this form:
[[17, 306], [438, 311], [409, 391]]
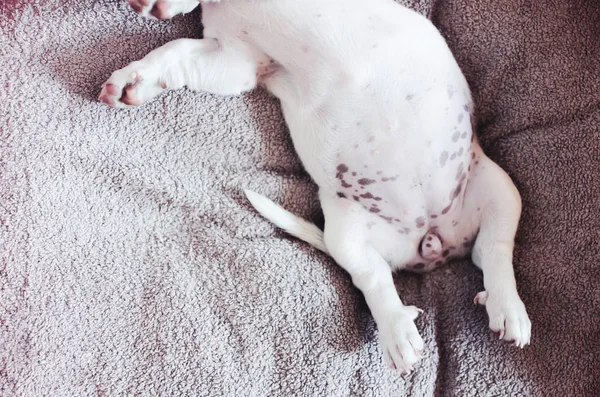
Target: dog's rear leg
[[198, 64], [492, 194], [347, 241]]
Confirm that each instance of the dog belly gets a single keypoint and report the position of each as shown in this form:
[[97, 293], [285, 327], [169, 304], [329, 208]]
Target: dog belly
[[407, 192]]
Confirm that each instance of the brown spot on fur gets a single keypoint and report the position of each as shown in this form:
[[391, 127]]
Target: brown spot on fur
[[374, 210], [377, 198], [354, 174], [367, 196], [428, 245], [419, 266], [472, 155], [340, 194], [356, 198], [406, 230], [345, 184], [445, 253], [443, 158], [341, 170], [434, 216], [387, 218], [445, 210], [420, 222], [429, 238], [366, 181]]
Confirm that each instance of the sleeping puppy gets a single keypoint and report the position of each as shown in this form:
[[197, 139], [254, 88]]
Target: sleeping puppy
[[380, 115]]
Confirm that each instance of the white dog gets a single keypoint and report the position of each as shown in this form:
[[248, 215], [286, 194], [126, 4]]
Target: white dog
[[380, 115]]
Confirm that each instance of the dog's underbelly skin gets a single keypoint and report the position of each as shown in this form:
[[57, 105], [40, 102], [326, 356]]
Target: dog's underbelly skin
[[409, 174]]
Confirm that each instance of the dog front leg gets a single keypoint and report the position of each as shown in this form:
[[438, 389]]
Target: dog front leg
[[199, 64]]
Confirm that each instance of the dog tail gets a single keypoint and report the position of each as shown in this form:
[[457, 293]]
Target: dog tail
[[287, 221]]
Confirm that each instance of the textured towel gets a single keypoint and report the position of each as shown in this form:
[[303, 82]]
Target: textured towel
[[132, 264]]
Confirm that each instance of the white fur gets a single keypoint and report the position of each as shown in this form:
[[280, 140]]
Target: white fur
[[379, 113]]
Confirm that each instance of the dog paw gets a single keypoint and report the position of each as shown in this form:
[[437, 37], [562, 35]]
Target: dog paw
[[400, 340], [507, 316], [131, 86], [162, 9]]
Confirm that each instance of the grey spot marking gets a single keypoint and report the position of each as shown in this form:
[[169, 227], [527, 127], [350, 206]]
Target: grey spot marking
[[453, 156], [358, 123], [466, 107], [370, 225], [387, 218], [409, 97], [354, 174], [455, 136], [443, 158], [365, 181], [461, 151], [456, 192], [450, 91], [464, 135], [406, 230], [420, 222], [356, 146], [459, 171], [371, 139], [461, 117], [379, 172]]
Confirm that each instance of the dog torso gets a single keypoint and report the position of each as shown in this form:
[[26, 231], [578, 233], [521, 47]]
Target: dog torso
[[378, 110]]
